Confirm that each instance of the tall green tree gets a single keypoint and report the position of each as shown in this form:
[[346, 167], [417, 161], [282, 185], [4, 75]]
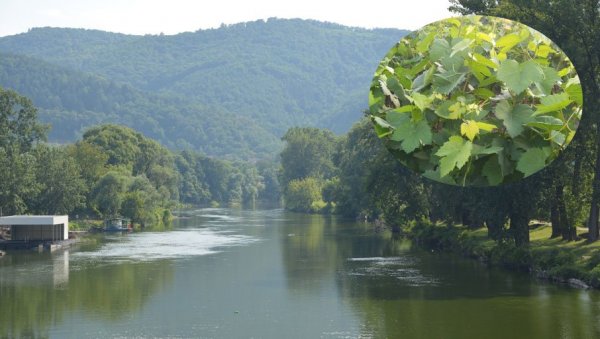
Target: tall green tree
[[108, 193], [19, 127], [62, 189], [308, 152], [18, 182]]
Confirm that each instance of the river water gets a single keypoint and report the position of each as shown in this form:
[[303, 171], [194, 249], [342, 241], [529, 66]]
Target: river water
[[227, 273]]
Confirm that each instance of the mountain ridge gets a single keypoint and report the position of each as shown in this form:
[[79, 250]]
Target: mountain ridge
[[278, 73]]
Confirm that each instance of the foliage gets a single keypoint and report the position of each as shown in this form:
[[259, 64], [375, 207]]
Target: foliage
[[19, 128], [476, 101], [115, 170], [18, 180], [62, 188], [73, 101], [308, 152], [228, 91], [304, 195]]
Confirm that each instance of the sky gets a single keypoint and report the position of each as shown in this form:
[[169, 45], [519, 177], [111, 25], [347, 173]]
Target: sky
[[175, 16]]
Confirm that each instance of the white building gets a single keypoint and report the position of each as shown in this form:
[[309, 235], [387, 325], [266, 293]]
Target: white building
[[37, 227]]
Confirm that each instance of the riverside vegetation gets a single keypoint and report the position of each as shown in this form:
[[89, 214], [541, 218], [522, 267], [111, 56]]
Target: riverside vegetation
[[114, 170], [355, 175]]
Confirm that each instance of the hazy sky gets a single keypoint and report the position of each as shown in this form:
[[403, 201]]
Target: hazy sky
[[174, 16]]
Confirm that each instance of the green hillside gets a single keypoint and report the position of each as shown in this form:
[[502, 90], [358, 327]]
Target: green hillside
[[72, 101], [279, 73]]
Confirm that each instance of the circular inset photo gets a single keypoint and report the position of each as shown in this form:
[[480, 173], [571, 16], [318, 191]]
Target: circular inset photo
[[476, 101]]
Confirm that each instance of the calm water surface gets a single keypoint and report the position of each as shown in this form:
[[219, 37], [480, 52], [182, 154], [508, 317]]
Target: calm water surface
[[228, 273]]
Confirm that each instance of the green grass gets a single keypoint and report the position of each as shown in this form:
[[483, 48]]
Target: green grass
[[554, 259], [84, 224]]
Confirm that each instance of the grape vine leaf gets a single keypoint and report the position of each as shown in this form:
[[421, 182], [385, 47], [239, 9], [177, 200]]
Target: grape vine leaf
[[447, 81], [421, 101], [439, 48], [555, 102], [412, 135], [444, 111], [533, 160], [469, 129], [575, 93], [550, 79], [454, 153], [546, 122], [397, 117], [508, 41], [492, 171], [513, 118], [519, 77]]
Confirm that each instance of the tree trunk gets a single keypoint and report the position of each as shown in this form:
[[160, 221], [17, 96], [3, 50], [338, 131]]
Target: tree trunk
[[555, 219], [567, 230], [495, 226], [593, 217], [519, 227]]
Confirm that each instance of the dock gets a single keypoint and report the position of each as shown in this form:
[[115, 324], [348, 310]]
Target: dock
[[12, 245]]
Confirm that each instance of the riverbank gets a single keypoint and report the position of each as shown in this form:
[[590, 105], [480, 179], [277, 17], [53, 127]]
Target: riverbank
[[576, 263]]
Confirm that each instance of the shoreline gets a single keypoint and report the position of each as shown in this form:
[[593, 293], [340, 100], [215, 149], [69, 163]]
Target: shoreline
[[575, 263]]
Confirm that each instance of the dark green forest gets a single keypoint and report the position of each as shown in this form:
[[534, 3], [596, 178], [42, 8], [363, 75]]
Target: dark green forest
[[113, 170], [231, 91]]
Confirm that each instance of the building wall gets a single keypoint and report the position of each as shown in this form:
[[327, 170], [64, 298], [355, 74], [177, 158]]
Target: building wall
[[38, 232]]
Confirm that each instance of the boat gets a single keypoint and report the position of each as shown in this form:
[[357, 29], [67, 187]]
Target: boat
[[117, 225]]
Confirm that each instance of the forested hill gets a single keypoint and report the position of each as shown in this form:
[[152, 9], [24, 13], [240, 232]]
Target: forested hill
[[72, 101], [280, 73]]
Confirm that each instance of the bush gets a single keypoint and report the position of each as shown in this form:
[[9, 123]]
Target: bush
[[508, 255], [432, 236], [304, 195]]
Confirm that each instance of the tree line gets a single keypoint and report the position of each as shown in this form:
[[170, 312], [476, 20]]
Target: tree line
[[113, 170]]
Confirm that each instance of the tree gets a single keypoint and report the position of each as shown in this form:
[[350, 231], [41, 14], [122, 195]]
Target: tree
[[303, 195], [308, 152], [17, 180], [90, 159], [62, 189], [108, 193], [19, 128]]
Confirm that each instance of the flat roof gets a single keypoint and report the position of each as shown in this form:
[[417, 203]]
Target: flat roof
[[13, 220]]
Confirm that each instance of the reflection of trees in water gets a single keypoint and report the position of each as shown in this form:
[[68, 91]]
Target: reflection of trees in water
[[317, 246], [563, 315], [29, 309], [468, 299]]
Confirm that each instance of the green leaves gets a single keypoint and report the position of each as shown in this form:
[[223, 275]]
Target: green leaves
[[454, 154], [470, 129], [446, 82], [513, 118], [475, 101], [517, 76], [533, 160], [412, 135], [553, 103]]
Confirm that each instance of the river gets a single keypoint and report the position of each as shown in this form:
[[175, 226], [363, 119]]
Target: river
[[230, 273]]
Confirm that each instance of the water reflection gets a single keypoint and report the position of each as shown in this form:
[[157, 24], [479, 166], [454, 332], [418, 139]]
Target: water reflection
[[403, 292], [236, 273], [37, 290]]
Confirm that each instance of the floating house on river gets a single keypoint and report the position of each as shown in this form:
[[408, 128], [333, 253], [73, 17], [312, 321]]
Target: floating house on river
[[32, 230]]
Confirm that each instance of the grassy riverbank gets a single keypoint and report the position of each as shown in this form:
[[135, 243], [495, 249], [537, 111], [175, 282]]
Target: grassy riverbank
[[552, 259]]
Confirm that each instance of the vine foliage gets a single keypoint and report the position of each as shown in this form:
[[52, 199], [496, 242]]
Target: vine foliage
[[476, 100]]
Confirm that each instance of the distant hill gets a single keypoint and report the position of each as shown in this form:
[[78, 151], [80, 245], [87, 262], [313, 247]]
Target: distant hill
[[278, 73], [71, 101]]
